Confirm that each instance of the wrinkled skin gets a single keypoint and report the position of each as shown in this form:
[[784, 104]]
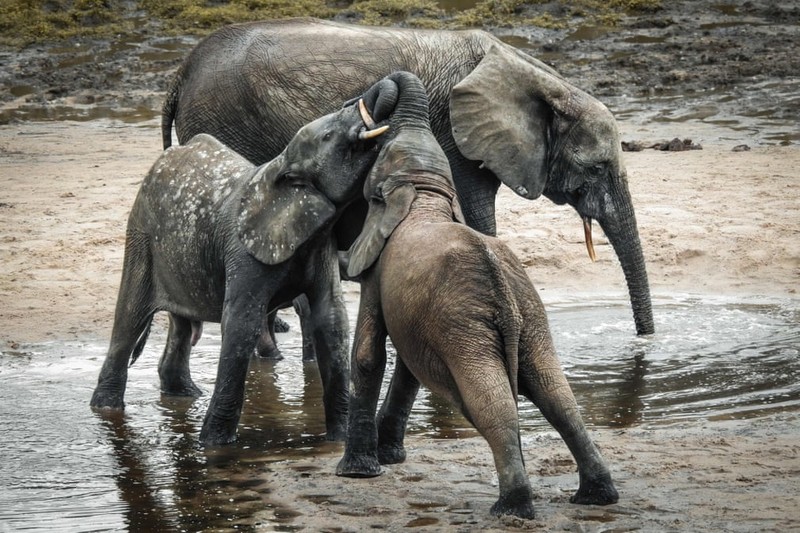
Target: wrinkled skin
[[500, 116], [211, 237], [464, 318]]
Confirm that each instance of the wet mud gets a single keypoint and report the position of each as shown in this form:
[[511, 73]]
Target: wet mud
[[144, 469], [727, 64]]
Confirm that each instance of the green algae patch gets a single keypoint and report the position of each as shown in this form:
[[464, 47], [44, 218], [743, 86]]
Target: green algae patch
[[27, 21]]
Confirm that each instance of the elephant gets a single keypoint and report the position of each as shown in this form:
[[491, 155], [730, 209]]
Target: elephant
[[464, 319], [500, 115], [212, 237]]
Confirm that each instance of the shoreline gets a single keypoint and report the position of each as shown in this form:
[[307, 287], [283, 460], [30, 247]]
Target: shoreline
[[68, 187]]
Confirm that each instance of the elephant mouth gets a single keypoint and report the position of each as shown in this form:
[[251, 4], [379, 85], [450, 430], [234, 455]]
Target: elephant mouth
[[372, 131]]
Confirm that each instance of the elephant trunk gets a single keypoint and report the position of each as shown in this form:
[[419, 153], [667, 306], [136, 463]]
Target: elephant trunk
[[412, 107], [624, 237]]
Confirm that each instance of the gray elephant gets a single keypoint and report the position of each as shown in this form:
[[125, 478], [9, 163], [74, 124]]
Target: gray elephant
[[463, 316], [500, 116], [211, 237]]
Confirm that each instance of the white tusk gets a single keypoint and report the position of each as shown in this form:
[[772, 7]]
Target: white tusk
[[362, 108], [587, 233], [371, 134]]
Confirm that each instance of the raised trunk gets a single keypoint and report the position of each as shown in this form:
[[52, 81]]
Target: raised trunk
[[412, 107]]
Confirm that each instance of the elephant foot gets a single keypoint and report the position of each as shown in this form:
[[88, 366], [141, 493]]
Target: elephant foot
[[267, 349], [270, 355], [180, 387], [596, 492], [309, 352], [217, 432], [391, 455], [105, 399], [336, 433], [516, 503], [280, 326], [359, 466]]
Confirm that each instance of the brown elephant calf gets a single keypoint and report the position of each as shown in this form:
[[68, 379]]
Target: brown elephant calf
[[465, 320]]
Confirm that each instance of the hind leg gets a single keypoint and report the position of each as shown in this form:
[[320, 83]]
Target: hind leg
[[267, 347], [542, 380], [489, 404], [131, 324], [173, 368]]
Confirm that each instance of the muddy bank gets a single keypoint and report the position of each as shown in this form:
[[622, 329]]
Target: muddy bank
[[683, 49]]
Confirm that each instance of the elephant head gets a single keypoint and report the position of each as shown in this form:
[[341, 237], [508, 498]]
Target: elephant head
[[410, 160], [307, 186], [541, 135]]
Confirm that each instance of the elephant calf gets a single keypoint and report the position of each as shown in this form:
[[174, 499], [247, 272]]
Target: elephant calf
[[464, 318], [211, 237]]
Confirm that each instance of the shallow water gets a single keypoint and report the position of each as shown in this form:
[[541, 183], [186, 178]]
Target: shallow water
[[66, 468]]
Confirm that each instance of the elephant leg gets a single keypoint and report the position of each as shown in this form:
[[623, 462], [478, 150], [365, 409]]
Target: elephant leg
[[303, 310], [267, 347], [241, 325], [329, 327], [132, 319], [173, 368], [393, 415], [280, 325], [542, 381], [368, 363], [488, 402]]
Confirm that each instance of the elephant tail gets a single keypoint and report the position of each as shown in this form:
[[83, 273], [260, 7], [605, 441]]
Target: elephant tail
[[170, 108], [139, 347], [507, 320]]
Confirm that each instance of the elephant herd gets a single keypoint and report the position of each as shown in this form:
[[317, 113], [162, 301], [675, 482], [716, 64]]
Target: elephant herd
[[312, 151]]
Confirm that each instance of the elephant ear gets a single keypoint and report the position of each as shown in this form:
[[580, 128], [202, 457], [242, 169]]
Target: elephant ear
[[383, 217], [499, 116], [278, 214]]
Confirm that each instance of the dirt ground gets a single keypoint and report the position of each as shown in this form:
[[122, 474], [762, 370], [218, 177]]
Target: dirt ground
[[67, 188], [712, 221]]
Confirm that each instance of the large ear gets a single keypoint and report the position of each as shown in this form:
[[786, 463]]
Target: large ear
[[277, 215], [500, 115], [382, 219]]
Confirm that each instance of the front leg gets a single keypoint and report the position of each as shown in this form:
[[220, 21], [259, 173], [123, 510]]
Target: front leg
[[327, 320], [394, 413], [242, 318], [368, 362]]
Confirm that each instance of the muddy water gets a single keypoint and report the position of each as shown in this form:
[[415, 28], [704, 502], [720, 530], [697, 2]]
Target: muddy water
[[66, 468]]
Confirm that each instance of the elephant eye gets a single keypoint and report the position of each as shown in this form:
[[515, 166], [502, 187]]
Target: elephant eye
[[327, 136], [294, 180], [598, 169]]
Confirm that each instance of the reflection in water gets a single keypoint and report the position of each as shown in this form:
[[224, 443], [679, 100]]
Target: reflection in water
[[64, 466]]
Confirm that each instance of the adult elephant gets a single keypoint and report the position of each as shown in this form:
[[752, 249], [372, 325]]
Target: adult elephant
[[500, 116]]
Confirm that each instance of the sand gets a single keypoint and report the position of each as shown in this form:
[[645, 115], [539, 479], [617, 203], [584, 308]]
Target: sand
[[712, 222]]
